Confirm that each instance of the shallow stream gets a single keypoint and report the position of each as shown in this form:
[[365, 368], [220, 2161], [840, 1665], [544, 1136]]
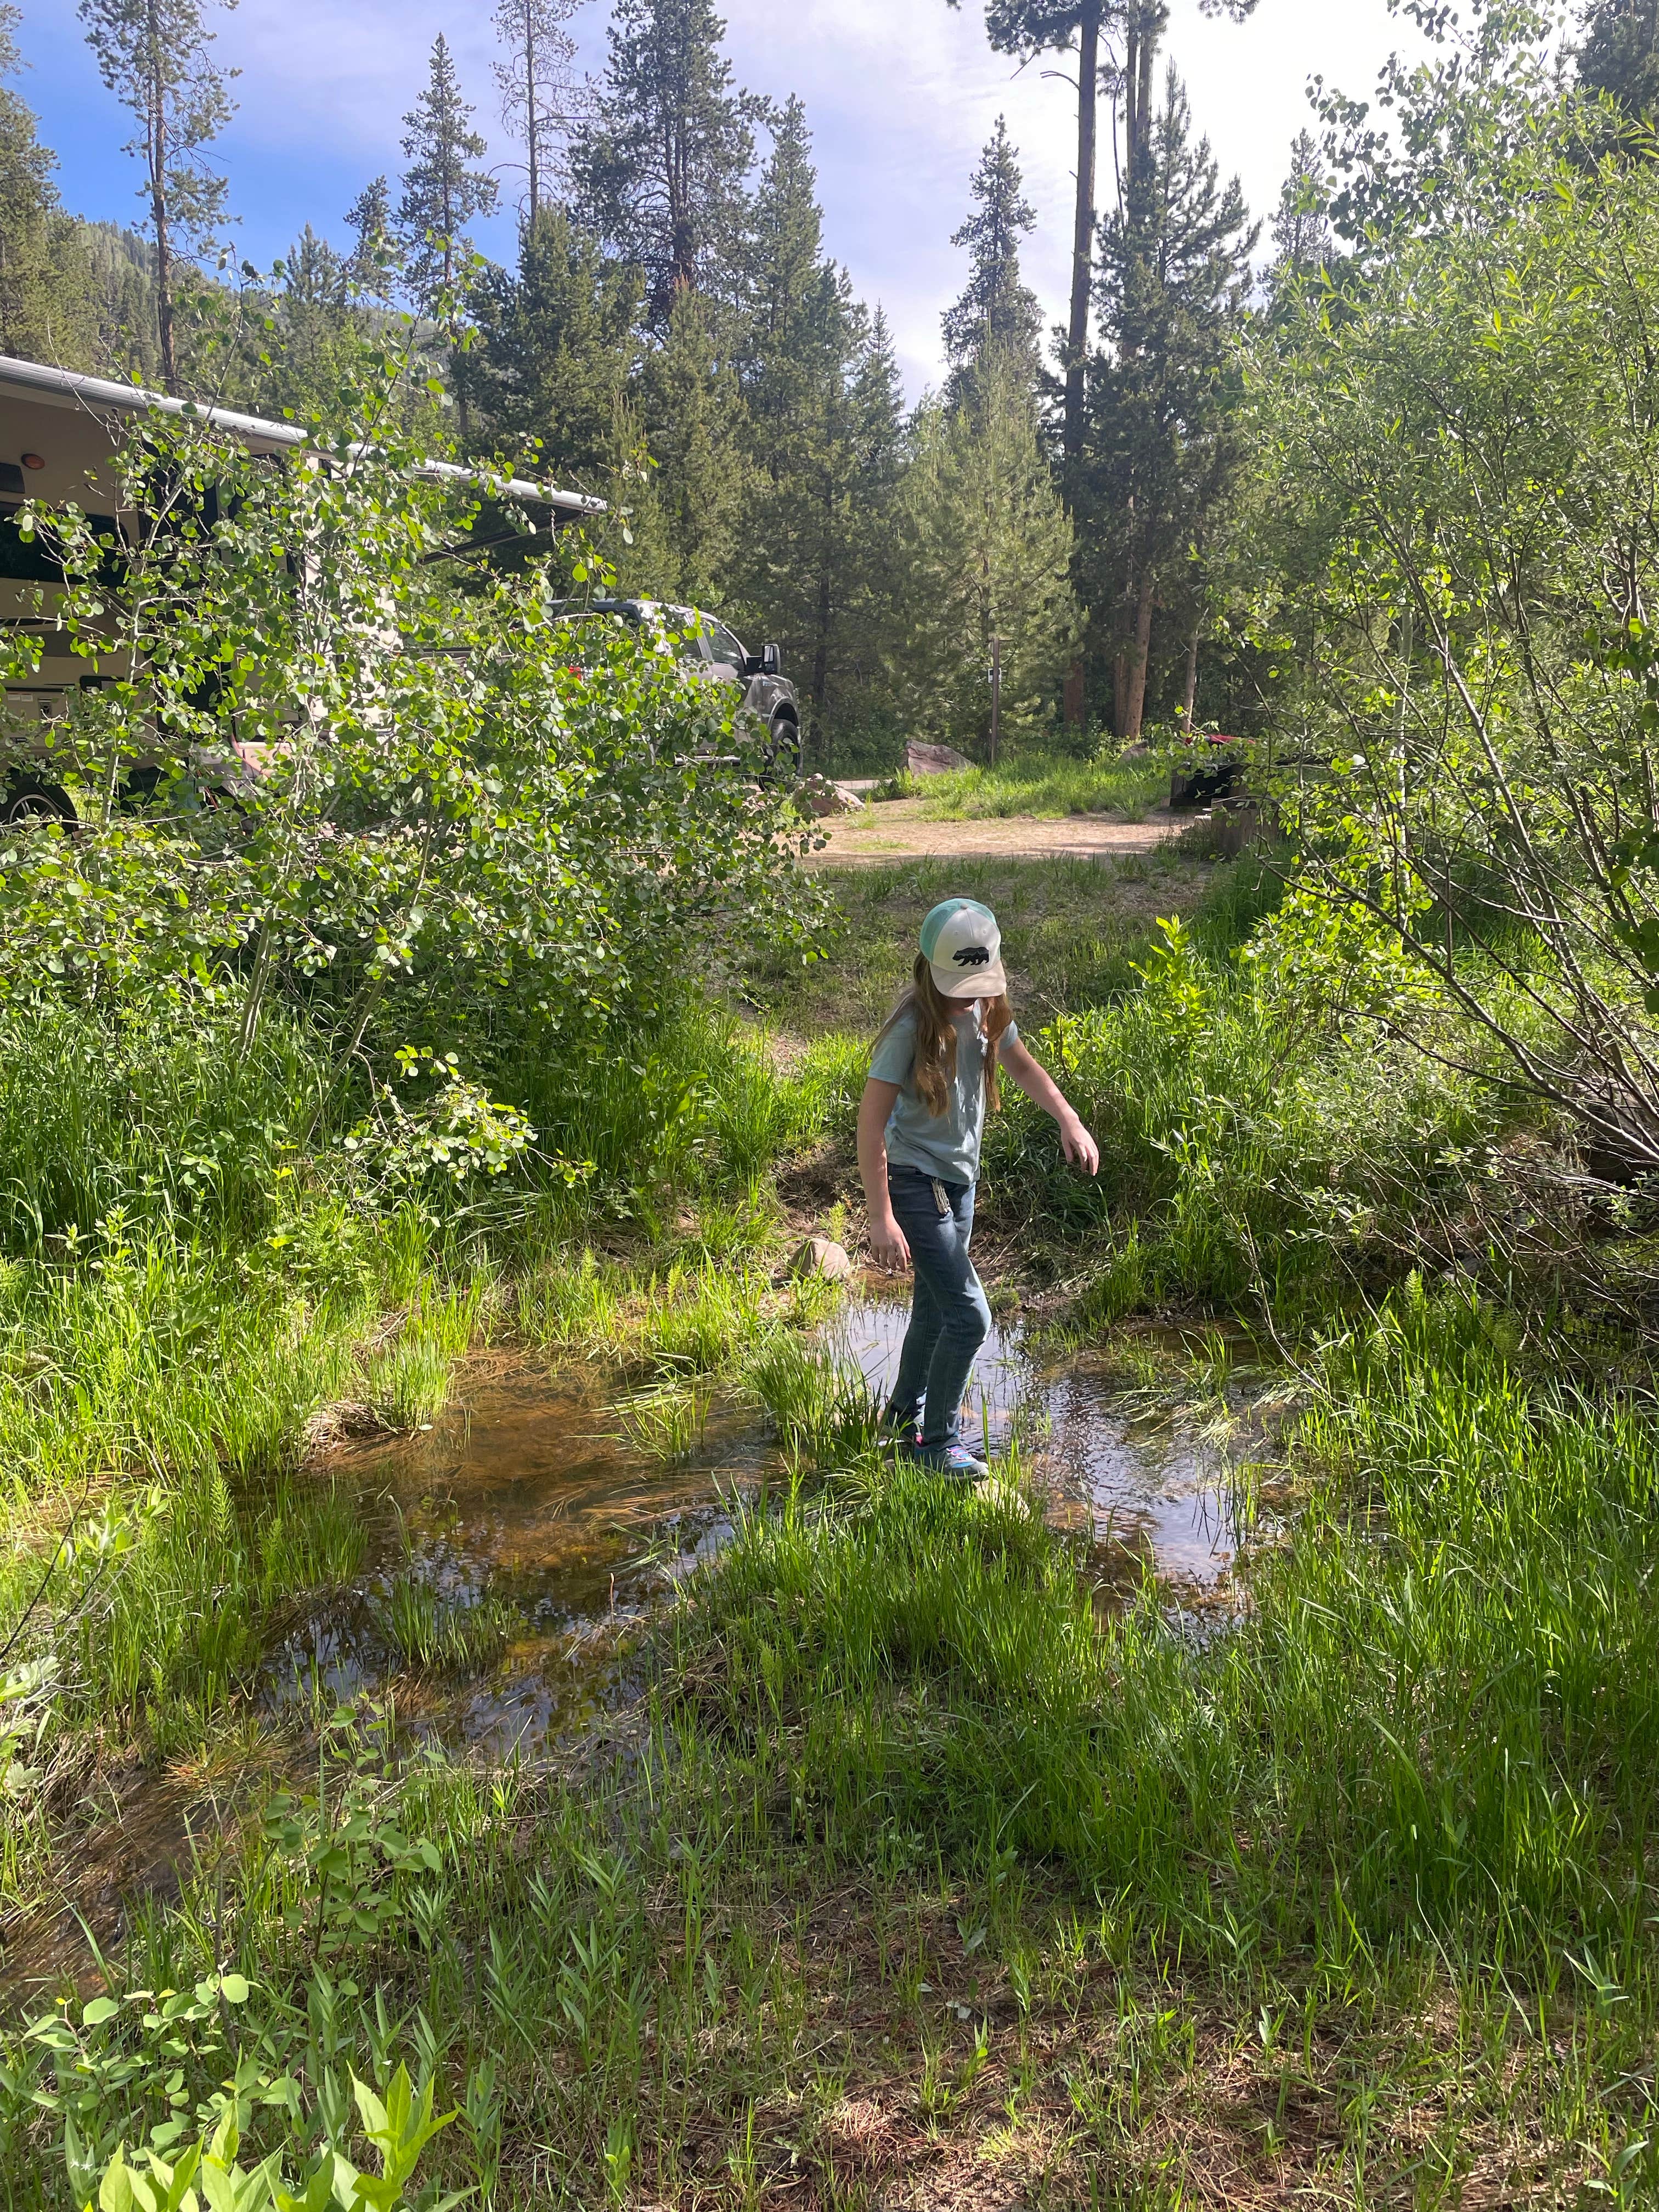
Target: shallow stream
[[515, 1548], [524, 1526]]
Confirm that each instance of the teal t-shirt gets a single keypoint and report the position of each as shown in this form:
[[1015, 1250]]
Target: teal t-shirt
[[942, 1144]]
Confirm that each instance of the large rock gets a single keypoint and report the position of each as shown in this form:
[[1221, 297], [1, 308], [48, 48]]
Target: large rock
[[933, 760], [820, 1256], [824, 798]]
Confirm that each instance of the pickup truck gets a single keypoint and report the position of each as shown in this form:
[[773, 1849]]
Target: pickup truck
[[766, 699]]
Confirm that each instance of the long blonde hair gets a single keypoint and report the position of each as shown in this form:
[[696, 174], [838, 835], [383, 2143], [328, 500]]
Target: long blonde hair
[[935, 1064]]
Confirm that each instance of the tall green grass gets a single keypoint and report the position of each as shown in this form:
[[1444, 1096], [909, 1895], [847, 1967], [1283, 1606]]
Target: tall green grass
[[1046, 787], [159, 1607], [158, 1118], [1404, 1809], [692, 1109], [1437, 1724]]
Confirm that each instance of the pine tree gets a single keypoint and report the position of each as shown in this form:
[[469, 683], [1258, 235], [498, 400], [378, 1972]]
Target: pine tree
[[315, 340], [154, 55], [1620, 53], [987, 548], [441, 193], [371, 263], [1303, 244], [1026, 29], [48, 290], [996, 309], [540, 97], [866, 587], [1174, 276], [806, 367], [696, 508], [555, 353], [794, 344], [661, 167]]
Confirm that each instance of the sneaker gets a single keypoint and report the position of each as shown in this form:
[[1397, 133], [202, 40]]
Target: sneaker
[[954, 1461], [898, 1436]]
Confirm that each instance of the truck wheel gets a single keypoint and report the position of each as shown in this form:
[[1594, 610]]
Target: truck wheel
[[31, 798], [783, 749]]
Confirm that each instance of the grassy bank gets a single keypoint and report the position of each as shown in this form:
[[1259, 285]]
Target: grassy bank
[[1046, 788], [924, 1872]]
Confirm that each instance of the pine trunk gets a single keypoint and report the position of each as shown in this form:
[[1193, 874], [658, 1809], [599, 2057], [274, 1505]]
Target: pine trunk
[[531, 131], [821, 643], [1140, 654], [1083, 260], [1083, 236], [157, 135]]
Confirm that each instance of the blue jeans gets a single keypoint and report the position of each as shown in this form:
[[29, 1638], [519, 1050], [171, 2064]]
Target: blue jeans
[[949, 1318]]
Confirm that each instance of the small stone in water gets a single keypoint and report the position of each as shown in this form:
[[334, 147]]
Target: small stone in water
[[997, 1489]]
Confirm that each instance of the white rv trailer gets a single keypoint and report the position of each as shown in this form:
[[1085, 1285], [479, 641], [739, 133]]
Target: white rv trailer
[[59, 431]]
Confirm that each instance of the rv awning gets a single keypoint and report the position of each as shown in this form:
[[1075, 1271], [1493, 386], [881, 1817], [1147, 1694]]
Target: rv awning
[[32, 380]]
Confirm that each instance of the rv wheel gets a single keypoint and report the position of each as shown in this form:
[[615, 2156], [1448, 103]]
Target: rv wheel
[[31, 798]]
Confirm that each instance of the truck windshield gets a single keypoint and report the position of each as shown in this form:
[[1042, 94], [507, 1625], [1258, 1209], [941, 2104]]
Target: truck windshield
[[722, 645]]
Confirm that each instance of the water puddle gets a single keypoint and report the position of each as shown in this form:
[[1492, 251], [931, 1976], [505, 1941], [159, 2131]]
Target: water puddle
[[521, 1541], [1154, 1494], [516, 1548]]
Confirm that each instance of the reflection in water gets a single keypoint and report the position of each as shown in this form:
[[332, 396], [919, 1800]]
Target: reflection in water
[[1154, 1494]]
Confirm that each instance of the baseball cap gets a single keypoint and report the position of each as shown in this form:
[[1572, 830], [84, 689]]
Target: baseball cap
[[963, 945]]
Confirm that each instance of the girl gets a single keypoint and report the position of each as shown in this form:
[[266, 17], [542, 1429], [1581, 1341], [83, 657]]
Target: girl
[[920, 1124]]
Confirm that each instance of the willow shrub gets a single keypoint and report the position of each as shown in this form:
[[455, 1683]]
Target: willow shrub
[[1253, 1151], [414, 802], [1457, 445]]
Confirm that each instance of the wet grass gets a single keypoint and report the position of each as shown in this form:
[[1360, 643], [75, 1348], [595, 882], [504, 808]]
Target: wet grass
[[668, 1423], [426, 1631], [814, 1405]]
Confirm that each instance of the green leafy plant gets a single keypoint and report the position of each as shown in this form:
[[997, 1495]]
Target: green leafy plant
[[355, 781], [1473, 786], [349, 1863], [397, 2127]]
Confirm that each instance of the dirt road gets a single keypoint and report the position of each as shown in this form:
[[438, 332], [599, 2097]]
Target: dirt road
[[895, 830]]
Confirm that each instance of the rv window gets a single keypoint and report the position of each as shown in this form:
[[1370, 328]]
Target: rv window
[[35, 560]]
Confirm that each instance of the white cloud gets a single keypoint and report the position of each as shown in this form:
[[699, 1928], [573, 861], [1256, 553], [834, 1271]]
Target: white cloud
[[903, 96]]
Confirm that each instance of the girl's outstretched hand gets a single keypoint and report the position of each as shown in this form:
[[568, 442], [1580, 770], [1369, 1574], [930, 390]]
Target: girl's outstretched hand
[[1079, 1147]]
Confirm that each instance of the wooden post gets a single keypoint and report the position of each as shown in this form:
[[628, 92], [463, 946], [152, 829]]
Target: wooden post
[[996, 696]]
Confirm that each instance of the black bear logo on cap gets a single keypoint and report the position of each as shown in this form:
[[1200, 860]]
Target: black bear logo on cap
[[972, 956]]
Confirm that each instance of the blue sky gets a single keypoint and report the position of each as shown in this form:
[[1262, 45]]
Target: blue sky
[[901, 95]]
